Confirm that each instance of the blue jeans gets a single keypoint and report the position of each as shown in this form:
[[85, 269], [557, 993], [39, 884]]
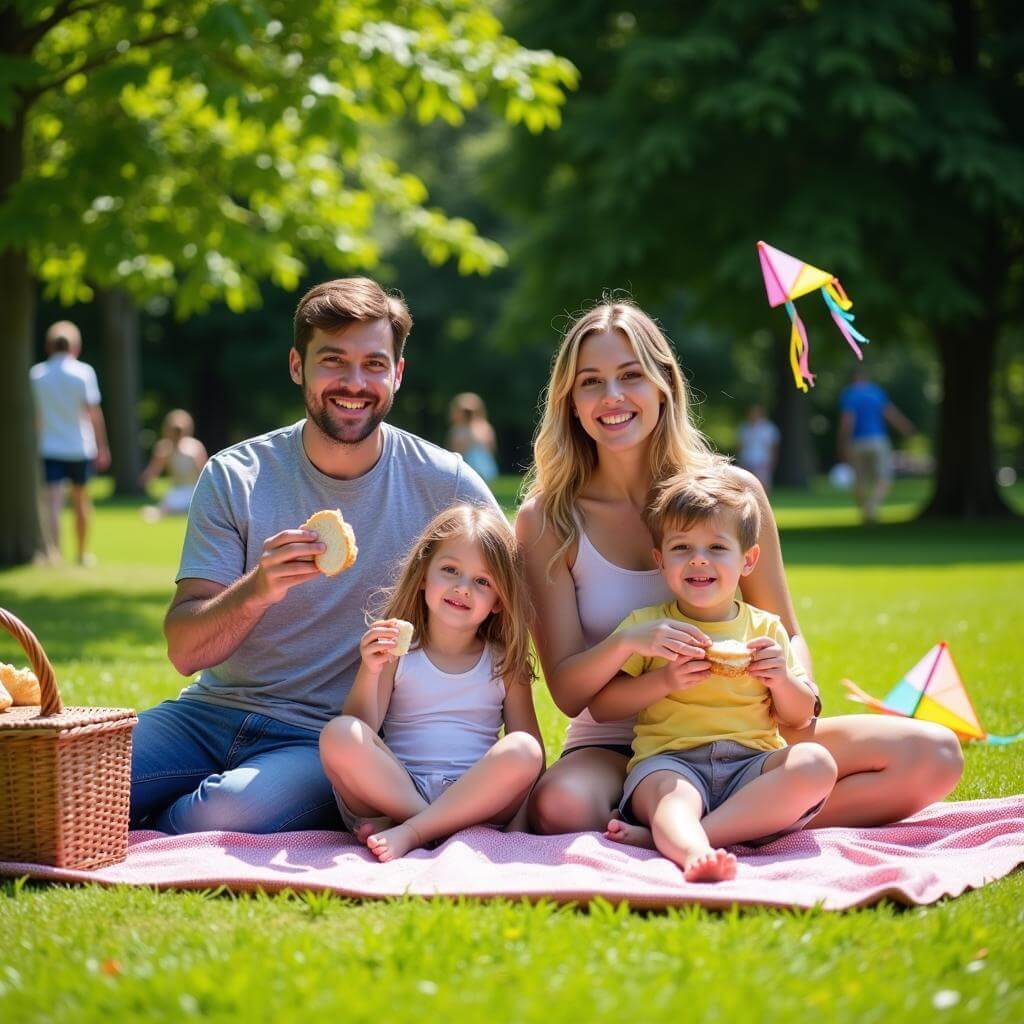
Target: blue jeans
[[199, 767]]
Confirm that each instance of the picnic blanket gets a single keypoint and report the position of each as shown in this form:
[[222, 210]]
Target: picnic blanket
[[942, 851]]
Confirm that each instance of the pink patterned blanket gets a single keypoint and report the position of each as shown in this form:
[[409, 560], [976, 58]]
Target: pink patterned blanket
[[942, 851]]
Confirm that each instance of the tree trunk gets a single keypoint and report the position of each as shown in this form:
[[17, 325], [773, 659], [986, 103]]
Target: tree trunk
[[965, 486], [792, 416], [121, 388], [20, 535]]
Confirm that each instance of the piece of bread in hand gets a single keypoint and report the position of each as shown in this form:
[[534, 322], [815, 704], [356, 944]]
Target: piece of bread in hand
[[405, 632], [20, 683], [337, 535], [728, 657]]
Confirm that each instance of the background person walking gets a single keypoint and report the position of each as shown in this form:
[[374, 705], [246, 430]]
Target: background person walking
[[71, 431], [865, 409]]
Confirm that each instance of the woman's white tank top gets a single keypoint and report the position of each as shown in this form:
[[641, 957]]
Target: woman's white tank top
[[439, 722], [605, 595]]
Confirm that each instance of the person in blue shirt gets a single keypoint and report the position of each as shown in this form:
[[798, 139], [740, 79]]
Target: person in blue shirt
[[863, 441]]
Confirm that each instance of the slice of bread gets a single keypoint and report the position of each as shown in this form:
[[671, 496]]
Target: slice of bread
[[405, 632], [5, 698], [728, 657], [333, 531], [20, 683]]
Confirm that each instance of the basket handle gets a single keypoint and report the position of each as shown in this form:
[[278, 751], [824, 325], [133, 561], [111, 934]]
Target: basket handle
[[51, 703]]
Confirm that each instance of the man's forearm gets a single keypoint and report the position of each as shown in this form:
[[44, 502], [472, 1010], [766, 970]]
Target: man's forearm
[[206, 631]]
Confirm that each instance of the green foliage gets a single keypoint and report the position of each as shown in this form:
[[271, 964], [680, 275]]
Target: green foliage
[[194, 150], [88, 954], [882, 140]]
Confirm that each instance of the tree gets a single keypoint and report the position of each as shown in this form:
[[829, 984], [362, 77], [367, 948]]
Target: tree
[[192, 149], [883, 141]]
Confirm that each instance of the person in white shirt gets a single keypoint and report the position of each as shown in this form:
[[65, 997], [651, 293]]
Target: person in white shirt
[[71, 431], [759, 445]]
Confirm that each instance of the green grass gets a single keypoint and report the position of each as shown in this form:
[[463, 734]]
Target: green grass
[[871, 601]]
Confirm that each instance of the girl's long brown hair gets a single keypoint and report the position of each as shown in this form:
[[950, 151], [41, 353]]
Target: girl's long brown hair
[[507, 629]]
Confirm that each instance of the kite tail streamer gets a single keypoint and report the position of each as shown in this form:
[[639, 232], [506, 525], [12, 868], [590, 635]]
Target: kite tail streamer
[[838, 303], [1000, 741], [799, 350]]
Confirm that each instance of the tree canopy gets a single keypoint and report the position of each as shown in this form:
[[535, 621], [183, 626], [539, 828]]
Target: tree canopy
[[194, 149]]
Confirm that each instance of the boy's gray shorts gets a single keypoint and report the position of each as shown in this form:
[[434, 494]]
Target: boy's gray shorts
[[429, 786], [717, 771]]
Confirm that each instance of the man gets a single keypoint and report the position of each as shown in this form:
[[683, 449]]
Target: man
[[864, 442], [72, 433], [275, 642]]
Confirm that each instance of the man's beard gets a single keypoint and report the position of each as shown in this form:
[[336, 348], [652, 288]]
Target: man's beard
[[320, 414]]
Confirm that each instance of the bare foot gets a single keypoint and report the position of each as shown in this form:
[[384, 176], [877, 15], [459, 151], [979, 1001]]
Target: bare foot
[[619, 831], [713, 866], [368, 826], [393, 842]]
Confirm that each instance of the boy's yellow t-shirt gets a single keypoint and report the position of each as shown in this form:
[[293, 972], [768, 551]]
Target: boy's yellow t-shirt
[[736, 708]]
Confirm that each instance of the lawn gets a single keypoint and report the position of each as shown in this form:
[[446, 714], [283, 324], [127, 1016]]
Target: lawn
[[870, 600]]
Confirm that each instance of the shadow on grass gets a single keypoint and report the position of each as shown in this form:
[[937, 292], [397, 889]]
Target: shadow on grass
[[927, 542], [71, 626]]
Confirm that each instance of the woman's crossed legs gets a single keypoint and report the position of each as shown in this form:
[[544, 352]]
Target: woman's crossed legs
[[888, 768]]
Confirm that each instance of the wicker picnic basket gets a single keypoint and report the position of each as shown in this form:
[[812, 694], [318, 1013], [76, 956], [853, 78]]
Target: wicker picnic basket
[[65, 774]]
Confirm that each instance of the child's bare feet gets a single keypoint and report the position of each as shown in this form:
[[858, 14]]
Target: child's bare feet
[[368, 826], [393, 842], [619, 831], [713, 866]]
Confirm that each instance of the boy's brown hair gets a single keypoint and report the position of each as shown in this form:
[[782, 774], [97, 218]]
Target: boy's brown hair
[[689, 498], [334, 305]]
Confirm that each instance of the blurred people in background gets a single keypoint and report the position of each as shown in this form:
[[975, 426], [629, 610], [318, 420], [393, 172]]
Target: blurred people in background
[[183, 456], [71, 431], [471, 435], [759, 445], [863, 440]]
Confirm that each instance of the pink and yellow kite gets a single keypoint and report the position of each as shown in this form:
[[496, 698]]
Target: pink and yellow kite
[[787, 278]]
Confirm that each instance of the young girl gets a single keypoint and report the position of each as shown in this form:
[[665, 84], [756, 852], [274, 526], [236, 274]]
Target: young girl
[[438, 765]]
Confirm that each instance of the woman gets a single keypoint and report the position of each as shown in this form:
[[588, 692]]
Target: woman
[[471, 435], [616, 421], [183, 456]]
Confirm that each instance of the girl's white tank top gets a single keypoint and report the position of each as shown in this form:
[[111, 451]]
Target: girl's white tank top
[[605, 595], [439, 722]]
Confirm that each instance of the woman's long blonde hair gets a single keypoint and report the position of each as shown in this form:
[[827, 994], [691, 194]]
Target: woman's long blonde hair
[[507, 629], [565, 456]]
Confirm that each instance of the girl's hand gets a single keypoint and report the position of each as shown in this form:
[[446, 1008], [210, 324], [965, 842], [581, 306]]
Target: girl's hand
[[666, 638], [377, 644], [768, 662]]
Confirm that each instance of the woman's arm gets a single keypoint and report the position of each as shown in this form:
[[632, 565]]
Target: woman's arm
[[157, 462], [766, 586], [519, 712], [574, 672]]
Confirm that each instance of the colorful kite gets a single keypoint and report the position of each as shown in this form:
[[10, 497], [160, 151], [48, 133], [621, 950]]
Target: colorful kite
[[787, 278], [932, 691]]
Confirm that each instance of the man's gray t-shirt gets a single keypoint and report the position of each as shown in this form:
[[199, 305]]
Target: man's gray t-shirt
[[300, 660]]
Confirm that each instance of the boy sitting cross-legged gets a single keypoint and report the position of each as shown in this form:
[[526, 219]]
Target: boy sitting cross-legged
[[709, 766]]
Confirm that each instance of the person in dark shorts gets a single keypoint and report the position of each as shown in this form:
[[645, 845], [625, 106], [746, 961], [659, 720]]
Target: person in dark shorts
[[71, 431]]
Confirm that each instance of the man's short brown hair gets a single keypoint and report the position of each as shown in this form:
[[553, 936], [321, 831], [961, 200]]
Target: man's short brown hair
[[690, 498], [334, 305]]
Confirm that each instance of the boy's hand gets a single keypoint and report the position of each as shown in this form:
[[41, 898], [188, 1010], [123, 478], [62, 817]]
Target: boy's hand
[[684, 673], [768, 662], [668, 639], [377, 643]]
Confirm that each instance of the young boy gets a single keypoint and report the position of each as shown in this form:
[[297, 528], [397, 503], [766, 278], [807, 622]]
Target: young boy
[[710, 767]]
